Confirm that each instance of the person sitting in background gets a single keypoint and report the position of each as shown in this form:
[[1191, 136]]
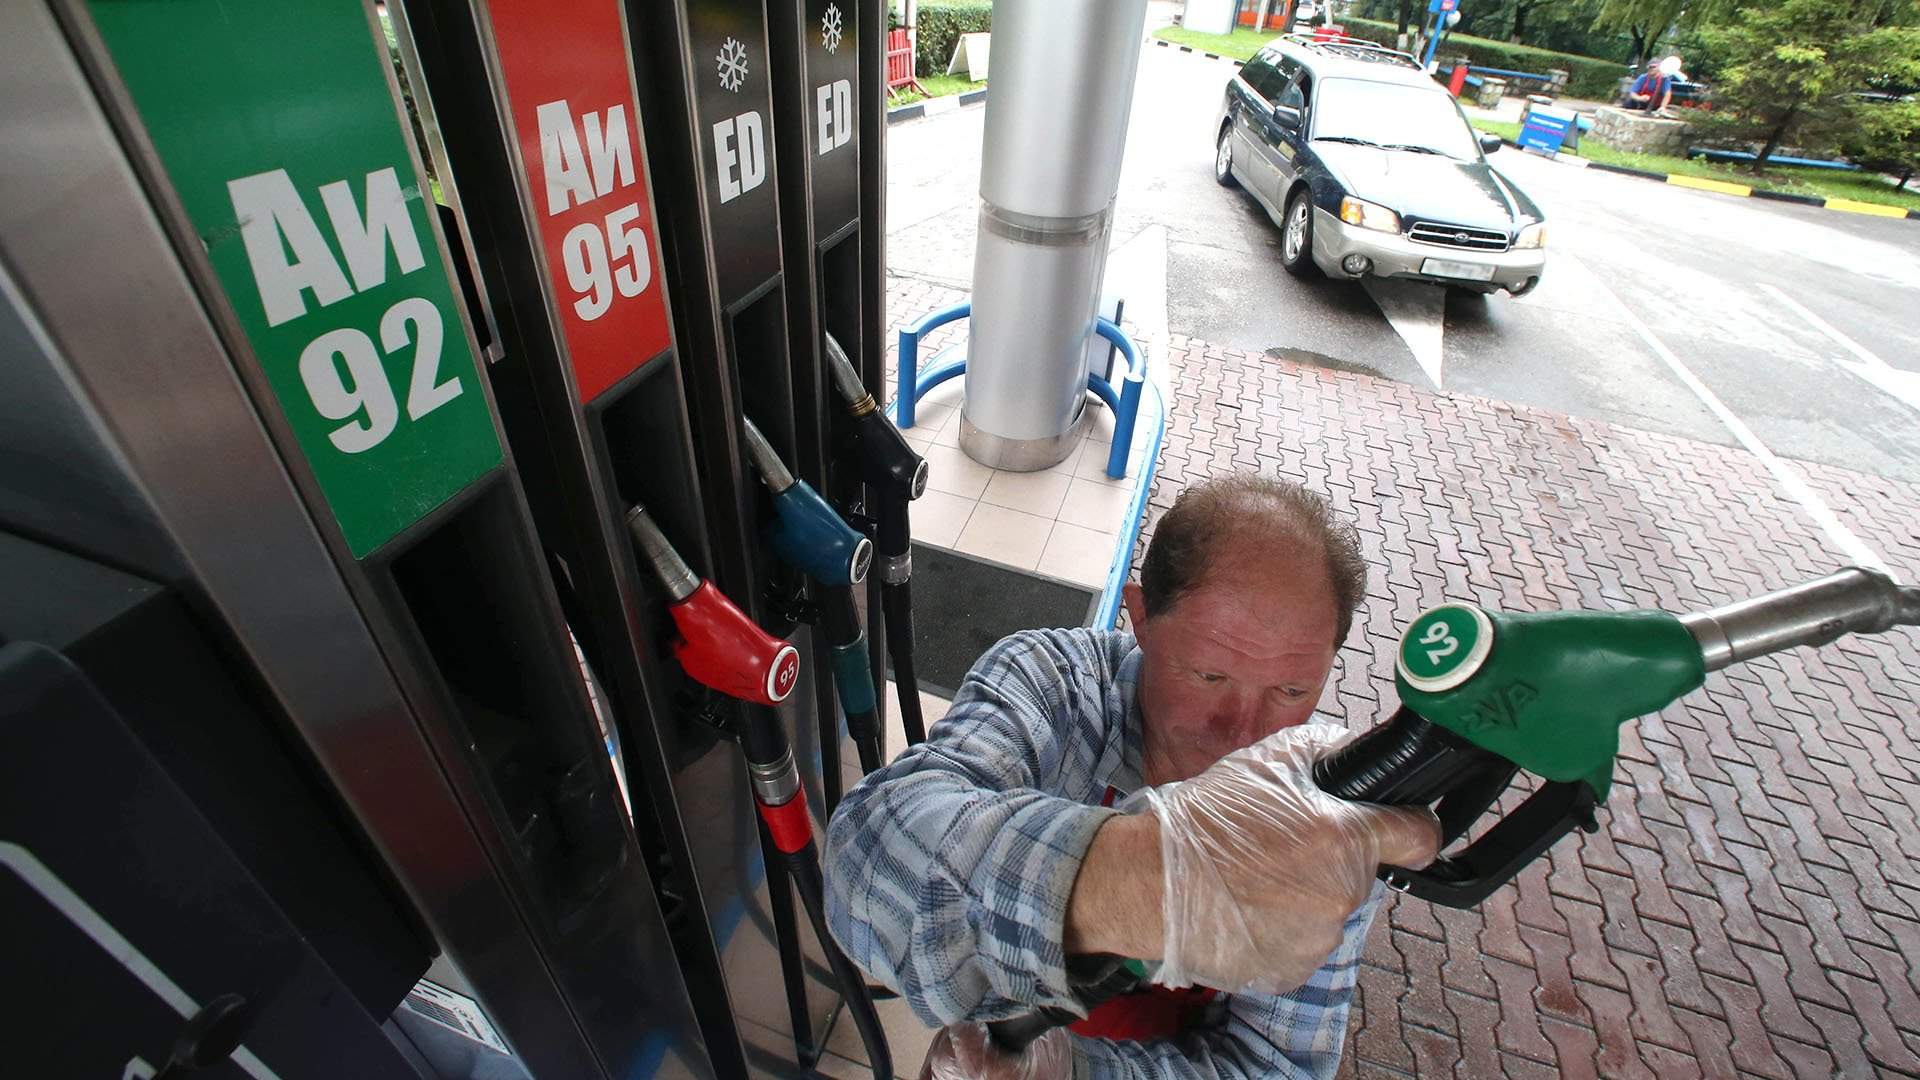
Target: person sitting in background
[[1650, 92]]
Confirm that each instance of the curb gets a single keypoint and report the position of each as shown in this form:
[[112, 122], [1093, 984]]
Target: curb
[[1844, 206], [1164, 43], [936, 106]]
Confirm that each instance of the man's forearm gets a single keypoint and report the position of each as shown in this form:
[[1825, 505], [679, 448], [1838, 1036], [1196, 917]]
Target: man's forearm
[[1116, 906]]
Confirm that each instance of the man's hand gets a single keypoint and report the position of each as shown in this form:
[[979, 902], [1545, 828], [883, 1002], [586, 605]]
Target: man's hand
[[964, 1052], [1261, 868]]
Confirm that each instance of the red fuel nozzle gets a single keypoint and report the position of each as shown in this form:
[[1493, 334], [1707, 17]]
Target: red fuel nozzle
[[719, 646]]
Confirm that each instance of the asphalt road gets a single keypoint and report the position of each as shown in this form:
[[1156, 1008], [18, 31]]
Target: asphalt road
[[1802, 324]]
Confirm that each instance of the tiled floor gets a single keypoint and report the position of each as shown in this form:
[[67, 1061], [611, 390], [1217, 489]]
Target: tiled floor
[[1063, 522]]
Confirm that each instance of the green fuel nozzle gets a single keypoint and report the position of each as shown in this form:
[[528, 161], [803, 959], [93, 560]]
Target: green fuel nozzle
[[1484, 695]]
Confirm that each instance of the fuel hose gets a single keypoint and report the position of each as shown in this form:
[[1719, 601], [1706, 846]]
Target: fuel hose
[[852, 676]]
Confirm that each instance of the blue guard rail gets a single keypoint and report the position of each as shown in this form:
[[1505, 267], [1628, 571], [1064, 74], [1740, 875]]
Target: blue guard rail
[[1125, 402]]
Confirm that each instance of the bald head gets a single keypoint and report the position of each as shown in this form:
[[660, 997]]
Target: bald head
[[1252, 529]]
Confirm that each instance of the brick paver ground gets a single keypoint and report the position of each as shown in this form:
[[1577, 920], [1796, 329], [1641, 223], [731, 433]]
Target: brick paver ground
[[1751, 905]]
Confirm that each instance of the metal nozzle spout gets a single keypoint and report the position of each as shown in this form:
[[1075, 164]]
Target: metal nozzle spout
[[678, 578], [773, 472], [847, 378], [1853, 601]]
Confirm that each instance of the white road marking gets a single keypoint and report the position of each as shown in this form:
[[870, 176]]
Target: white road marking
[[1788, 478], [1418, 313], [1904, 385]]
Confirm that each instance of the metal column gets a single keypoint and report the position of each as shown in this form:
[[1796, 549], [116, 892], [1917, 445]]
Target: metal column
[[1055, 129]]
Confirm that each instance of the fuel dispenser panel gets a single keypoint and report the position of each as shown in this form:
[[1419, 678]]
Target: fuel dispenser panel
[[552, 160], [707, 89], [301, 210]]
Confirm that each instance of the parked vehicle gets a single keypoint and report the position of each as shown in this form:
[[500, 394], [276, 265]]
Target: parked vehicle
[[1370, 169]]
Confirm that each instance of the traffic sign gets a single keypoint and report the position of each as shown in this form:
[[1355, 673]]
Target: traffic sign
[[317, 224], [584, 171]]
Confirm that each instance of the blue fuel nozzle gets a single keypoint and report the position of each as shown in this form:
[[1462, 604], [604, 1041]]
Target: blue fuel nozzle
[[806, 532]]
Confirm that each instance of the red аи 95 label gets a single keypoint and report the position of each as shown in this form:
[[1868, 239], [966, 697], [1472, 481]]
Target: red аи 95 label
[[568, 84]]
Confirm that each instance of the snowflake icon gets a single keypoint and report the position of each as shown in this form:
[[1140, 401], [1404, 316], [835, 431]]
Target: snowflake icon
[[830, 28], [733, 65]]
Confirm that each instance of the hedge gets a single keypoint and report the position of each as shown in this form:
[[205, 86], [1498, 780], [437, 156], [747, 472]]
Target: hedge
[[1587, 77], [940, 26]]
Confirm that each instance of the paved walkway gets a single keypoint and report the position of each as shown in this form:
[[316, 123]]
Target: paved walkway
[[1752, 903]]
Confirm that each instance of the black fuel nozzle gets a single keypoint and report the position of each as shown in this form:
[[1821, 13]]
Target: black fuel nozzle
[[886, 461]]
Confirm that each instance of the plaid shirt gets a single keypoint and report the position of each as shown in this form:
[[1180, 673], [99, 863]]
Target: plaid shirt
[[948, 871]]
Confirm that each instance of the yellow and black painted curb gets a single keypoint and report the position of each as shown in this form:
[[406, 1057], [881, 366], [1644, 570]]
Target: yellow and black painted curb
[[1847, 206]]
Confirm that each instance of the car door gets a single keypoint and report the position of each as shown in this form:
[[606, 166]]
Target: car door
[[1255, 165], [1286, 143]]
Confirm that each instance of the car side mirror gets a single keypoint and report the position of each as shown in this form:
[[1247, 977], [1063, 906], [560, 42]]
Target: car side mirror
[[1489, 142], [1287, 116]]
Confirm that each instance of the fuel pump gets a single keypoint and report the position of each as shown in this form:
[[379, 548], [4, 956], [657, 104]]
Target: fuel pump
[[723, 647], [899, 476], [1485, 694], [809, 535]]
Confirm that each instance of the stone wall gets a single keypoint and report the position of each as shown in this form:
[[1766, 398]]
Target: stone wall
[[1636, 132]]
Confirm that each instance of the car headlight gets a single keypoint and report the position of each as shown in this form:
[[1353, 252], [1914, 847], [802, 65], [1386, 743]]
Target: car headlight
[[1368, 215], [1533, 236]]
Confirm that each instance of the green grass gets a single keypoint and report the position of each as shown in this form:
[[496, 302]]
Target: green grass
[[939, 86], [1821, 183], [1509, 132], [1239, 45]]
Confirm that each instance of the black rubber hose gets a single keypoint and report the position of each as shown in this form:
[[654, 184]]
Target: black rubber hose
[[896, 602], [871, 757], [804, 868]]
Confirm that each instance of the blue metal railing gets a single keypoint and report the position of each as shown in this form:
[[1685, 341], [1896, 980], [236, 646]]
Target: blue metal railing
[[911, 384], [1476, 69], [1107, 612]]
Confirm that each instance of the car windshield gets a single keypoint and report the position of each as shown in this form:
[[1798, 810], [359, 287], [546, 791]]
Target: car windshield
[[1392, 115]]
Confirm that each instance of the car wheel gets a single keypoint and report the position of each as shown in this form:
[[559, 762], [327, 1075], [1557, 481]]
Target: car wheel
[[1223, 158], [1296, 236]]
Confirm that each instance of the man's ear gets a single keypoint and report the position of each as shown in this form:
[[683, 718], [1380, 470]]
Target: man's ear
[[1136, 604]]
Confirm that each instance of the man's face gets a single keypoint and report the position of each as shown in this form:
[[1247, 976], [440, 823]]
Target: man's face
[[1235, 659]]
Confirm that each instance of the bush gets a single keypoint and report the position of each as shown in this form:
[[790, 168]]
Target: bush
[[940, 27], [1587, 77]]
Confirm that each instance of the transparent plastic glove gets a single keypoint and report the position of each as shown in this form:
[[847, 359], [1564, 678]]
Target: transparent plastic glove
[[1262, 868], [964, 1052]]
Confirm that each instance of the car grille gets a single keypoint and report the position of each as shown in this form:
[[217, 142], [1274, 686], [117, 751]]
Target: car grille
[[1458, 236]]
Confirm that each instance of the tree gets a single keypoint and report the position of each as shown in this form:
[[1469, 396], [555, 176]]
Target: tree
[[1888, 139], [1800, 72], [1647, 21]]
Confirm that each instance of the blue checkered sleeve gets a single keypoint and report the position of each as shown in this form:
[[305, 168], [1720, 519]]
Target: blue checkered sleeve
[[949, 870]]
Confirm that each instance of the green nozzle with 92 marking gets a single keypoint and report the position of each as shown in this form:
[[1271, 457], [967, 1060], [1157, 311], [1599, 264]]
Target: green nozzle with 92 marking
[[1546, 691], [1486, 694]]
